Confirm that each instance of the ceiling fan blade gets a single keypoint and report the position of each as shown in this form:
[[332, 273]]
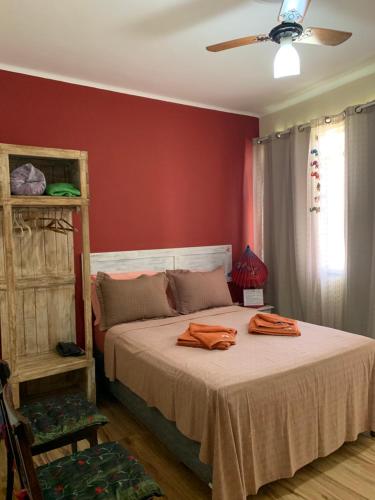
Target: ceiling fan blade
[[322, 36], [293, 11], [238, 42]]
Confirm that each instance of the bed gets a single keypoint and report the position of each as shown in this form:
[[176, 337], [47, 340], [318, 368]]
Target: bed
[[255, 413]]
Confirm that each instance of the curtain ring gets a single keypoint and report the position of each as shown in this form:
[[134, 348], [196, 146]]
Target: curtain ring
[[278, 135], [358, 109], [327, 119]]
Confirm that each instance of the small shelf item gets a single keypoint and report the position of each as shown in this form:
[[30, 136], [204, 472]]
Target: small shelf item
[[37, 275], [253, 297], [62, 189], [27, 180]]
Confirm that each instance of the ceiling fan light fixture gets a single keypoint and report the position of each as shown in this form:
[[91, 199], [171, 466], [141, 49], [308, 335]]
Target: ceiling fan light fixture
[[287, 61]]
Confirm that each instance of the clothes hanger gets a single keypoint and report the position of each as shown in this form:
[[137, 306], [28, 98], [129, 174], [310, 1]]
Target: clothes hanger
[[55, 224], [64, 224], [52, 224], [17, 226], [58, 225], [23, 223]]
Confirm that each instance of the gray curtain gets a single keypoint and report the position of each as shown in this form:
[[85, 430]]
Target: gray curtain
[[284, 161], [359, 315], [284, 232]]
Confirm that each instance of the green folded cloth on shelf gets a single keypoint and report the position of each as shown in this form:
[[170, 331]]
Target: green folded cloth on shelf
[[62, 189]]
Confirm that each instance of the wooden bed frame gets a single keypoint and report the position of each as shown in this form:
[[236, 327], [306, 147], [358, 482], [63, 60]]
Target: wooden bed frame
[[184, 449], [193, 258]]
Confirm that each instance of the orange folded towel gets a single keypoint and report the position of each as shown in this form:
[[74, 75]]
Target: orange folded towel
[[273, 324], [207, 337]]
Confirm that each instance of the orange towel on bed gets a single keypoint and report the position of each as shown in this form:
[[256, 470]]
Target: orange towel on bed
[[273, 324], [207, 337]]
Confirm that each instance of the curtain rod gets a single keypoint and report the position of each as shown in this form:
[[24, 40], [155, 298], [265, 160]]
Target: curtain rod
[[327, 119], [276, 134], [361, 107], [301, 128]]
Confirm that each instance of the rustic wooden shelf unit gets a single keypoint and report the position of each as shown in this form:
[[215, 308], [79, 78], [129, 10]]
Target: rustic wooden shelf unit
[[37, 277]]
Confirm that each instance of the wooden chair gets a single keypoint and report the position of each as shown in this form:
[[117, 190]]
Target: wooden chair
[[55, 422], [106, 470]]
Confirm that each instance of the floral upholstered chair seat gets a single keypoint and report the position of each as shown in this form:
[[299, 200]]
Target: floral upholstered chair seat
[[105, 471], [55, 417]]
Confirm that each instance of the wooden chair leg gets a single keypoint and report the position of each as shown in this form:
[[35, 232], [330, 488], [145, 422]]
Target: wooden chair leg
[[10, 475], [93, 438]]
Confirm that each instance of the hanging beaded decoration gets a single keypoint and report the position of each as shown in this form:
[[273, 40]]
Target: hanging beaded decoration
[[315, 178]]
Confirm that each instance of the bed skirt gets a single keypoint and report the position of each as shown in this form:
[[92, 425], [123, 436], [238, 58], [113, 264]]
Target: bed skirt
[[186, 450]]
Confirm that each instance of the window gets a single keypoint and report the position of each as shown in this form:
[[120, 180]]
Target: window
[[331, 229]]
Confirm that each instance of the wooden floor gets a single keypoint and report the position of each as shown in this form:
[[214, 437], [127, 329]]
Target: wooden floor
[[348, 474]]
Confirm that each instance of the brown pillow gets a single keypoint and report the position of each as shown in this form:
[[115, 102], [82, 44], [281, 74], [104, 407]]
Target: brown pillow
[[122, 301], [194, 291]]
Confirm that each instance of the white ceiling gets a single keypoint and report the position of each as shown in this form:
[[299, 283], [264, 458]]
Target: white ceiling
[[157, 47]]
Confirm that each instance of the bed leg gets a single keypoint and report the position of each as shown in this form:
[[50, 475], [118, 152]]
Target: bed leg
[[372, 433]]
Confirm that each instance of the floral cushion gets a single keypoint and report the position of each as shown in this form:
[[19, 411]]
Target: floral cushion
[[55, 417], [106, 472]]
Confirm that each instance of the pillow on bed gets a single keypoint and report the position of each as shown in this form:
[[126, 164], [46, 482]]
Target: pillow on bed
[[194, 291], [116, 276], [122, 301]]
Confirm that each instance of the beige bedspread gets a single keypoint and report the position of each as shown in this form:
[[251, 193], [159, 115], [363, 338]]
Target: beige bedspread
[[260, 410]]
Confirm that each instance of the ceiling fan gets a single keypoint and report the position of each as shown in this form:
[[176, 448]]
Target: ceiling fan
[[288, 32]]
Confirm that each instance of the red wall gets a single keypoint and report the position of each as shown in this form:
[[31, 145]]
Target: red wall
[[161, 174]]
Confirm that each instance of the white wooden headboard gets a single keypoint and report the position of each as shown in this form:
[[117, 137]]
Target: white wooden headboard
[[192, 258]]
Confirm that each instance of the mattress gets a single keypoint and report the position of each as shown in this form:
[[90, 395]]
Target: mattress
[[261, 410]]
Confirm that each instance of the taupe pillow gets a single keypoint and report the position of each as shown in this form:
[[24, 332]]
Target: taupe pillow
[[194, 291], [122, 301]]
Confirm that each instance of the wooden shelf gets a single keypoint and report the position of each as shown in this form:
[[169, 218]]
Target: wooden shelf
[[35, 366], [42, 152], [44, 201], [37, 274]]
